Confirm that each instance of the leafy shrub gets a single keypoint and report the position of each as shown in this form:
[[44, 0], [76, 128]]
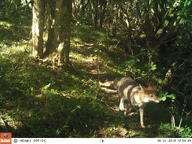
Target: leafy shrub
[[185, 132], [166, 130]]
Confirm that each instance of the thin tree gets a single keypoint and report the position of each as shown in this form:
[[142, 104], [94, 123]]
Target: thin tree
[[63, 17], [37, 27]]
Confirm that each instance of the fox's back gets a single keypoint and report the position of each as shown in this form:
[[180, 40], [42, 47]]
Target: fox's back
[[127, 88], [136, 94]]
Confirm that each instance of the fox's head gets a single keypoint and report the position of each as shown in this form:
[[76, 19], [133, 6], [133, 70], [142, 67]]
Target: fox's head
[[148, 94]]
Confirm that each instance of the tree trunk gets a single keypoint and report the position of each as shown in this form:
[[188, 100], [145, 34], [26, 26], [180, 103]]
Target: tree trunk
[[102, 13], [96, 13], [51, 43], [64, 16], [37, 27]]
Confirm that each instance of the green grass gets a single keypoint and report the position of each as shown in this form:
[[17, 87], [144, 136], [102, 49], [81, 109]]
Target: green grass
[[40, 100]]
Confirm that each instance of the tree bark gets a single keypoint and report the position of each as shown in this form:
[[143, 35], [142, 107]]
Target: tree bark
[[51, 43], [64, 17], [37, 27]]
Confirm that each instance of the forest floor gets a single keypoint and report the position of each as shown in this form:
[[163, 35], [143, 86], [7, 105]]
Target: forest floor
[[38, 99]]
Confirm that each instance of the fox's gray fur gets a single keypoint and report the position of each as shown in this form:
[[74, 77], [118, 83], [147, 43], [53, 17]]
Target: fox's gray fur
[[135, 94]]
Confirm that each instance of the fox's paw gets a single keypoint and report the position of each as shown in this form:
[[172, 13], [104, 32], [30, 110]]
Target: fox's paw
[[121, 108]]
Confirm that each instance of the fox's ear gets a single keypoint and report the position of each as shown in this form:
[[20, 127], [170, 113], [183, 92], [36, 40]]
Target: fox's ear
[[141, 87], [151, 87]]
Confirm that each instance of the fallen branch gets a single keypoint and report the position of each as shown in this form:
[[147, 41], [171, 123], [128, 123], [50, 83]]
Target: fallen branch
[[108, 91]]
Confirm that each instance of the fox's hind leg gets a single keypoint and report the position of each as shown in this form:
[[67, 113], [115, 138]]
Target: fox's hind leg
[[121, 105]]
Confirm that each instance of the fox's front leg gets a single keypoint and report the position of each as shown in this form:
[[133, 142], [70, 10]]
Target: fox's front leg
[[121, 105], [141, 112]]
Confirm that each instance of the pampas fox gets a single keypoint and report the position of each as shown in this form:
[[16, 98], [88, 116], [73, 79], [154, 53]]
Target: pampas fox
[[136, 95]]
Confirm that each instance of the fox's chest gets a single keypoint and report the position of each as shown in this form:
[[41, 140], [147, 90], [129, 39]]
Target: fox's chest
[[136, 100]]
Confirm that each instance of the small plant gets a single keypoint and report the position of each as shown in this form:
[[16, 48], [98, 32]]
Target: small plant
[[185, 132], [165, 95], [166, 130]]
